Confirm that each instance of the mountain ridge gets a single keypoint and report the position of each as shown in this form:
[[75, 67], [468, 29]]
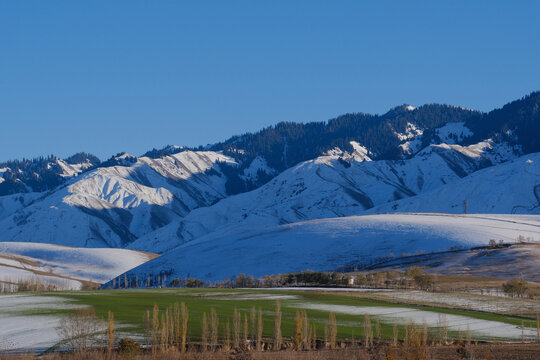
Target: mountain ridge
[[412, 157]]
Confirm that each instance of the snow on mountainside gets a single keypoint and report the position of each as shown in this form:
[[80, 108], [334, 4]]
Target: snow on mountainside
[[359, 153], [70, 170], [453, 133], [64, 267], [42, 174], [330, 243], [283, 174], [512, 188], [112, 206], [11, 203], [2, 171], [324, 187]]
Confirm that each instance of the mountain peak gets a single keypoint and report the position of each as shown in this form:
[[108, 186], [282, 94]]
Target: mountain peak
[[399, 110]]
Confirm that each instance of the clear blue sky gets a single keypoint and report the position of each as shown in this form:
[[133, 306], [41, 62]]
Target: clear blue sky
[[111, 76]]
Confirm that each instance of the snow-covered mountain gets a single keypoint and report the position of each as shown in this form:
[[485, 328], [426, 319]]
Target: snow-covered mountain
[[329, 186], [431, 158], [42, 174], [113, 206], [509, 188]]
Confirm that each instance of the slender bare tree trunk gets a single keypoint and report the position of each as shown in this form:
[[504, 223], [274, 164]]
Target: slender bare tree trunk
[[253, 320], [155, 328], [298, 337], [259, 330], [332, 330], [395, 333], [246, 330], [228, 335], [204, 333], [110, 330], [307, 331], [214, 335], [236, 328], [277, 327], [367, 331], [184, 313]]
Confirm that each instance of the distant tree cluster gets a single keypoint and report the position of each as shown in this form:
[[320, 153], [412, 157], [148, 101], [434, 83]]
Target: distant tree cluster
[[515, 287]]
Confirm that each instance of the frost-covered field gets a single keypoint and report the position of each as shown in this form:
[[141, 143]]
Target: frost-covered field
[[458, 323], [28, 322], [485, 303], [62, 266]]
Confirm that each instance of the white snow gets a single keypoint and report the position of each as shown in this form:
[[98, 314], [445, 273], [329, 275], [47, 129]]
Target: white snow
[[65, 266], [512, 187], [412, 146], [2, 171], [488, 149], [23, 332], [259, 163], [404, 316], [359, 154], [495, 304], [325, 188], [70, 170], [411, 132], [112, 206], [452, 133], [329, 243], [11, 203]]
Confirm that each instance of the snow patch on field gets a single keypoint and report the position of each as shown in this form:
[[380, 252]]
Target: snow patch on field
[[496, 304], [21, 332], [404, 316]]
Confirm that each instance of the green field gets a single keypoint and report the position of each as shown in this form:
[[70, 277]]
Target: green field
[[129, 306]]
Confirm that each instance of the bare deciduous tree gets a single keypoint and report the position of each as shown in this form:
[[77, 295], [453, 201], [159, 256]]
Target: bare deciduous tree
[[204, 333], [184, 314], [277, 326], [80, 330], [110, 330], [236, 328], [332, 330], [214, 322], [259, 330]]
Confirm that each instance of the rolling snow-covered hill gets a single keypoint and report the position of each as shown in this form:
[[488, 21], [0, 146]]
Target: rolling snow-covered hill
[[64, 267], [327, 244], [328, 186]]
